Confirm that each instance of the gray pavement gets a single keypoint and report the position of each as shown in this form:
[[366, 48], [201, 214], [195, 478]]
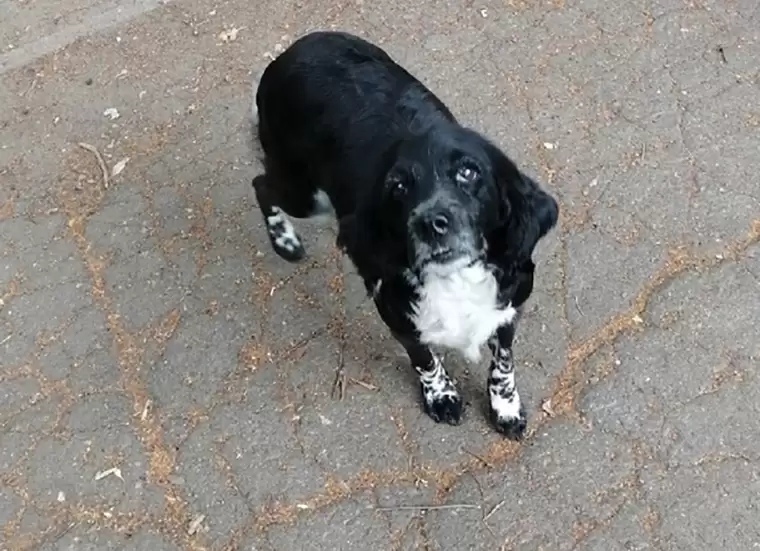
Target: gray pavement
[[166, 383]]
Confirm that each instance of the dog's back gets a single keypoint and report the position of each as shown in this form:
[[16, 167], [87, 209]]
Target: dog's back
[[328, 101]]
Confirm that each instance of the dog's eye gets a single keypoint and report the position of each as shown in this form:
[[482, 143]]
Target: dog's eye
[[397, 185], [466, 174]]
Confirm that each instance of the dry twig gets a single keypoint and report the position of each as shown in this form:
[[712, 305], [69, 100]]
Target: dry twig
[[479, 458], [492, 511], [427, 507], [361, 383], [103, 167], [339, 384]]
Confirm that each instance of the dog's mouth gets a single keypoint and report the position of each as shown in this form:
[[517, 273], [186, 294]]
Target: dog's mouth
[[445, 259], [443, 255], [457, 251]]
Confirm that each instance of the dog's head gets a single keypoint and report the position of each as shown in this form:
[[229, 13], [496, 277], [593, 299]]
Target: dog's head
[[442, 197]]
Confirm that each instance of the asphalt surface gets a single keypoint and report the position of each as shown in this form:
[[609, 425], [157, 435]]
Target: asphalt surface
[[167, 382]]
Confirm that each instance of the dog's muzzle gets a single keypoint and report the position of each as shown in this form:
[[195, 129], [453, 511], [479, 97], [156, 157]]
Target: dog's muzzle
[[442, 233]]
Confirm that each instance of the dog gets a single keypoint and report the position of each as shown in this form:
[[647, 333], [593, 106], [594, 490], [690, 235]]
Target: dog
[[437, 220]]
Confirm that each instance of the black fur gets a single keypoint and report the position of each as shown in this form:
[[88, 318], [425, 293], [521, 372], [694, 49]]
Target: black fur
[[410, 186]]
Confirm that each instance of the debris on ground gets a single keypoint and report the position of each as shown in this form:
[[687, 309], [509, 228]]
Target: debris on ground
[[119, 167], [101, 162], [229, 35], [195, 525], [115, 471], [546, 407]]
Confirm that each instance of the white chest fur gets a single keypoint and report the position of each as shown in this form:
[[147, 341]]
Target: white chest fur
[[458, 309]]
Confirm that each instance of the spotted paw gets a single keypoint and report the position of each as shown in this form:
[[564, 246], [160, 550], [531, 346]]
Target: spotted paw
[[440, 396], [446, 408], [290, 249], [284, 238], [510, 426]]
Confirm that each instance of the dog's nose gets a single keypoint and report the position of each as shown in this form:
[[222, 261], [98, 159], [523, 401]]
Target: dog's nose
[[440, 224], [434, 224]]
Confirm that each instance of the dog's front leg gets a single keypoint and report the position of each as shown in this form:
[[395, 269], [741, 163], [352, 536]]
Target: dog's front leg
[[440, 396], [507, 412]]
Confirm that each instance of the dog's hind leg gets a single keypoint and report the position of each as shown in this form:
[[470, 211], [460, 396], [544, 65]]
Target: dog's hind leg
[[278, 199], [283, 236]]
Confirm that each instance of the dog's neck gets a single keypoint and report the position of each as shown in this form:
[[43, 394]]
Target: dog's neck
[[458, 306], [477, 268]]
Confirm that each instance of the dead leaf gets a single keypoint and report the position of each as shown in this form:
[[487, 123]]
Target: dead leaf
[[6, 209], [146, 408], [196, 524], [118, 167], [547, 408]]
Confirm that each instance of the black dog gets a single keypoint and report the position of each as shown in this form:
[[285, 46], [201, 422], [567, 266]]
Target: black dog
[[439, 223]]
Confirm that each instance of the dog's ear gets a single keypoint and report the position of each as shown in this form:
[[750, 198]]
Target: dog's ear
[[530, 211], [544, 207], [534, 214]]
